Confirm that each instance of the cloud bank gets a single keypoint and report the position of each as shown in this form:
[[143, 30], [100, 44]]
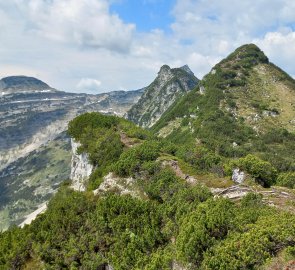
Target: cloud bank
[[81, 46]]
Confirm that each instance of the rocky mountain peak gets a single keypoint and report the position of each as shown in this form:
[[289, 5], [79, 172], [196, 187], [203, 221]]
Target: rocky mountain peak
[[187, 69], [165, 72], [170, 84], [22, 83], [164, 69]]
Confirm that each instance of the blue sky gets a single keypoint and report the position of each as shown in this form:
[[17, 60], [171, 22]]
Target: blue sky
[[97, 46], [145, 14]]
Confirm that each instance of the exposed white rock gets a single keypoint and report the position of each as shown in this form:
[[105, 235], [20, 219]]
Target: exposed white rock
[[177, 266], [202, 90], [267, 113], [29, 218], [238, 176], [80, 168], [233, 192], [123, 186]]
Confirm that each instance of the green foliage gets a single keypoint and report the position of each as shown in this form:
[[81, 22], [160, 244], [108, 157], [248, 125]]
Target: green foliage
[[163, 185], [102, 145], [252, 248], [277, 147], [134, 131], [80, 231], [131, 229], [162, 259], [263, 172], [286, 180], [131, 160], [92, 120], [151, 167], [200, 157], [247, 55], [14, 249], [201, 228]]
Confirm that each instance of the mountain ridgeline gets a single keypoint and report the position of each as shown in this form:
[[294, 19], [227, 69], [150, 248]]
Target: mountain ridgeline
[[209, 186], [244, 105], [169, 85], [22, 84]]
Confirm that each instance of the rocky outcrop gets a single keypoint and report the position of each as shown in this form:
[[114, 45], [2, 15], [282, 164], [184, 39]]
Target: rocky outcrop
[[120, 185], [169, 85], [80, 168], [238, 176], [234, 192]]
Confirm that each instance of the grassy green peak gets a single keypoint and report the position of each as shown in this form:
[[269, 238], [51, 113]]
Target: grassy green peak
[[246, 56]]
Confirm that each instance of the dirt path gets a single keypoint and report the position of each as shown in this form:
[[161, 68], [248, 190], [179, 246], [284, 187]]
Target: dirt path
[[128, 142]]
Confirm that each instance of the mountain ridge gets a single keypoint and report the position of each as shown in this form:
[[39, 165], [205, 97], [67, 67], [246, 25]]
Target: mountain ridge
[[169, 85]]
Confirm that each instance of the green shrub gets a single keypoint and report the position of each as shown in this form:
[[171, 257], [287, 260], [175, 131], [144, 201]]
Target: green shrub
[[250, 249], [286, 180], [262, 171], [92, 120], [131, 160], [200, 229]]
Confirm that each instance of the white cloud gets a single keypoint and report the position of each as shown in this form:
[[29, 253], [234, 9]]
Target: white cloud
[[62, 41], [89, 85], [280, 47], [86, 23], [236, 22]]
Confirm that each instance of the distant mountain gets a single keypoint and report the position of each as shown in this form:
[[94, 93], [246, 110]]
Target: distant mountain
[[33, 117], [169, 85], [14, 84]]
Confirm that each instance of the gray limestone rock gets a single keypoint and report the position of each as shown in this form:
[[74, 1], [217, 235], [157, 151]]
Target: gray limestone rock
[[238, 176], [80, 168], [170, 84]]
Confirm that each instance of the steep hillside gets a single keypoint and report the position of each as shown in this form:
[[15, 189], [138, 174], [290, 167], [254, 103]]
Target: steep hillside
[[169, 85], [244, 105], [142, 210], [32, 180]]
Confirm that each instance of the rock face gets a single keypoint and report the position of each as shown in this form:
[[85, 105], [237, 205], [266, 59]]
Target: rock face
[[80, 168], [169, 85], [35, 152], [238, 176]]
